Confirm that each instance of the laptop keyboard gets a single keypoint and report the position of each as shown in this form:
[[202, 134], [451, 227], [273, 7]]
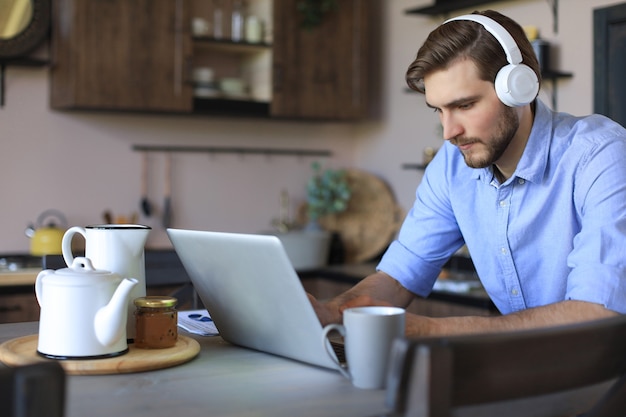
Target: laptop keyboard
[[339, 349]]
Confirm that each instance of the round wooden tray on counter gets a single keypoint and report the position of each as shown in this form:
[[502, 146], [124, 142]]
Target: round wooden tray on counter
[[23, 351], [371, 220]]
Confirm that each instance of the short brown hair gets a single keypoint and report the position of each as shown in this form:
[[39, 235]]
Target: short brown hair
[[468, 39]]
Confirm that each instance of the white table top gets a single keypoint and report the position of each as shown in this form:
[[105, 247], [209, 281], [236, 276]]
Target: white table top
[[224, 380]]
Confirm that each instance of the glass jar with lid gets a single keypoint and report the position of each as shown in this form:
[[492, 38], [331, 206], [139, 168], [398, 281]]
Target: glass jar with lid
[[156, 321]]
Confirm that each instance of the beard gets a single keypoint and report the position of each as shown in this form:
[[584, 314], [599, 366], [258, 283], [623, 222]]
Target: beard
[[492, 149]]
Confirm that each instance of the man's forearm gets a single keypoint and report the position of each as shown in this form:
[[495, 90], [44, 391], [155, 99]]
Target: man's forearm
[[381, 289], [565, 312]]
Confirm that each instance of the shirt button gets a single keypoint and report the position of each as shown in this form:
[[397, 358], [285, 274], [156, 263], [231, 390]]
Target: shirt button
[[502, 203], [514, 291], [521, 181], [503, 251]]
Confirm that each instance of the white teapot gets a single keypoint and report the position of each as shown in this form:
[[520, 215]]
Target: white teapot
[[83, 311]]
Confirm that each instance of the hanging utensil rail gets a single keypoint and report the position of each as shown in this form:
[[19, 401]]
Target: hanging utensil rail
[[233, 150]]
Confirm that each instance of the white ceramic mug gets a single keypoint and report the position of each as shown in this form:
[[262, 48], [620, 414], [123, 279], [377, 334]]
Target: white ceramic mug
[[368, 335], [118, 248]]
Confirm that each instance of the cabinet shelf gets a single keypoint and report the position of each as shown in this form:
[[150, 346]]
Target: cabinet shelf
[[231, 107], [226, 45]]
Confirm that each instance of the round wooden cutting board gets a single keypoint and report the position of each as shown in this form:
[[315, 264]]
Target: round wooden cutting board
[[23, 351], [371, 220]]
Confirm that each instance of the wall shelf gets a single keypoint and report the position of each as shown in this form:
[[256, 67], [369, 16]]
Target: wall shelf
[[234, 150], [446, 6], [443, 7], [554, 76], [419, 167]]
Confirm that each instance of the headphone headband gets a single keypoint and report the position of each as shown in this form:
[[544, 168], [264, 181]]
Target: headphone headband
[[516, 84], [513, 54]]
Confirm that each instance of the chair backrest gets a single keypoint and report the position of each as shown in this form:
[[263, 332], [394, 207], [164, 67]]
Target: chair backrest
[[551, 371], [36, 390]]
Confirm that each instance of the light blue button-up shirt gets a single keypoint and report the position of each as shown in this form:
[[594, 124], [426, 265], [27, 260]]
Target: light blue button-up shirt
[[554, 231]]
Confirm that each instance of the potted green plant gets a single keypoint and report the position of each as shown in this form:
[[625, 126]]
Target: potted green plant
[[308, 247], [328, 192]]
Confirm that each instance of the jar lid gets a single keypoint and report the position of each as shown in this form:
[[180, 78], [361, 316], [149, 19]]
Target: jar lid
[[155, 301]]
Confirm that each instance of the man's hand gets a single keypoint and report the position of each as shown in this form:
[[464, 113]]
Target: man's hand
[[378, 289], [326, 312], [331, 312]]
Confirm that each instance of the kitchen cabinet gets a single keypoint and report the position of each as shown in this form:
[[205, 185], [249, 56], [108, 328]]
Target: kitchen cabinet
[[16, 306], [141, 55], [329, 71], [19, 303], [120, 55], [165, 275]]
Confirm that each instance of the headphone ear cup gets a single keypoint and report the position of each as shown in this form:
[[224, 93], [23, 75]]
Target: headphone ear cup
[[516, 85]]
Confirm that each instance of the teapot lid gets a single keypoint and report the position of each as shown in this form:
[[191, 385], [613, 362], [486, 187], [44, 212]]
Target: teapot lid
[[82, 269]]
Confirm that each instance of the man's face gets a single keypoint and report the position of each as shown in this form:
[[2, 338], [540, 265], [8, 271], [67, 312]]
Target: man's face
[[472, 116]]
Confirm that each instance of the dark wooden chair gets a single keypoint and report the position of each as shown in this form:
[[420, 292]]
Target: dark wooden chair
[[36, 390], [561, 371]]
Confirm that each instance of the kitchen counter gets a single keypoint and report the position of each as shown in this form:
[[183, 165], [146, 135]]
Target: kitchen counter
[[20, 278], [162, 268], [456, 293], [223, 380]]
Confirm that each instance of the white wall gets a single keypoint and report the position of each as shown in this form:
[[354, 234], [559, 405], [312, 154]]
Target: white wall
[[82, 163]]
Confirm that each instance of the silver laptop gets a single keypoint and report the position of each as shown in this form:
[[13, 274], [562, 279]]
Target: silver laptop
[[252, 293]]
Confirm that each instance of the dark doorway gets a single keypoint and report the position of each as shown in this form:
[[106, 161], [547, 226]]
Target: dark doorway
[[609, 26]]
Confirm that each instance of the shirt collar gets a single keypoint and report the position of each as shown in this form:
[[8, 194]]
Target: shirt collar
[[532, 165]]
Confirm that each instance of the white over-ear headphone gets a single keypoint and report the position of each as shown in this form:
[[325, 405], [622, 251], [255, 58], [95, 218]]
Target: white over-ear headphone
[[516, 83]]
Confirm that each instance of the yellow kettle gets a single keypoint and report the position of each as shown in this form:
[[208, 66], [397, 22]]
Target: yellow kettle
[[46, 236]]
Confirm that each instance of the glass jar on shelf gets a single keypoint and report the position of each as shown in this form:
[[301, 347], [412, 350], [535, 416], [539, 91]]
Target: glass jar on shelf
[[237, 22], [218, 19]]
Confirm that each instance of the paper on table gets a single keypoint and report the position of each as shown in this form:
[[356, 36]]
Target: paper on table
[[197, 322]]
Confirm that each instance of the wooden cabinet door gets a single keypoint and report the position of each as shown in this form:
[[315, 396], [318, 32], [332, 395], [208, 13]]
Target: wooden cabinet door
[[328, 72], [121, 55], [19, 307]]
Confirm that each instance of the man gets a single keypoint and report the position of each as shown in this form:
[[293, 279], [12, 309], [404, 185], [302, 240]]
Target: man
[[538, 197]]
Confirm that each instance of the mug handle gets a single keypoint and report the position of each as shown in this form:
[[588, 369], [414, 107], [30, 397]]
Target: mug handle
[[343, 369], [66, 243]]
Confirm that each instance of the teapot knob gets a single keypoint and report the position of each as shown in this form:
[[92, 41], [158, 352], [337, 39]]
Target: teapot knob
[[81, 263]]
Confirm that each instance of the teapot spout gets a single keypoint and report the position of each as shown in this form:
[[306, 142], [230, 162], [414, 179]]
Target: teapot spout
[[110, 320]]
